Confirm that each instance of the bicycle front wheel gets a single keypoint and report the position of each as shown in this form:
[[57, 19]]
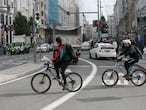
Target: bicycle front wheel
[[138, 77], [110, 77], [74, 82], [40, 83]]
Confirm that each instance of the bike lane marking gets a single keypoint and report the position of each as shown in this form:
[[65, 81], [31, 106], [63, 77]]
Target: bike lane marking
[[66, 97]]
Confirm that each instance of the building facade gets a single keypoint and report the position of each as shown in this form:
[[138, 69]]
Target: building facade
[[6, 21], [111, 26], [52, 12], [24, 6], [141, 22], [65, 18]]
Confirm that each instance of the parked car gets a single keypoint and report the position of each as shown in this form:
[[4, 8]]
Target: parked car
[[43, 48], [102, 50], [19, 47], [85, 46], [51, 46]]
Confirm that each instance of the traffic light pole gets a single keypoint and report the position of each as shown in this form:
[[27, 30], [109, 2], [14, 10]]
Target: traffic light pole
[[98, 5], [34, 36]]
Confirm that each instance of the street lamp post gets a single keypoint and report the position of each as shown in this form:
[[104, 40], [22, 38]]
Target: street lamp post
[[34, 40]]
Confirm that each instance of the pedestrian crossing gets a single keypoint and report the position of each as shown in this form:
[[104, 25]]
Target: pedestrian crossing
[[121, 82]]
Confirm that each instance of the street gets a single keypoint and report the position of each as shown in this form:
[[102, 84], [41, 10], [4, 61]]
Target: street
[[94, 95]]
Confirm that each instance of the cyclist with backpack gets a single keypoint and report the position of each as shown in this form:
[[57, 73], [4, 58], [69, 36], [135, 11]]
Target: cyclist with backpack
[[129, 50], [61, 60]]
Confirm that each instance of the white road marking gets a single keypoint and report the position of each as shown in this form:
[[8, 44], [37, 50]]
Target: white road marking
[[107, 66], [70, 95], [122, 82], [79, 66]]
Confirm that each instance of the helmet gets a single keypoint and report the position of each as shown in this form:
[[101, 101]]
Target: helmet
[[127, 41]]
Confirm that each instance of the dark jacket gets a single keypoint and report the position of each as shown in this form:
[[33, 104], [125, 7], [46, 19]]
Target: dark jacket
[[131, 52], [61, 55]]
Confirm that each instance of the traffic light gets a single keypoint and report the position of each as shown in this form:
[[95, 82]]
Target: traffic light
[[68, 12], [37, 18]]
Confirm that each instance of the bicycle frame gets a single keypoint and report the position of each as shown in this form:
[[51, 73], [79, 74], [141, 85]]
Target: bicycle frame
[[48, 69], [120, 66]]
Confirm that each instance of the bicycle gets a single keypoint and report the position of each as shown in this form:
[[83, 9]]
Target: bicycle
[[110, 77], [41, 82]]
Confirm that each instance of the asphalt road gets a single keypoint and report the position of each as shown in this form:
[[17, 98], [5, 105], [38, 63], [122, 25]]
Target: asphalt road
[[124, 96]]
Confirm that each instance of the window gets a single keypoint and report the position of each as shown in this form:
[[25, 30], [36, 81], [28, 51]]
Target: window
[[2, 18], [5, 2]]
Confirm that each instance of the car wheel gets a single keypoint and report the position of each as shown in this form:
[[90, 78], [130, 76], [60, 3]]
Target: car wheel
[[90, 55], [96, 56]]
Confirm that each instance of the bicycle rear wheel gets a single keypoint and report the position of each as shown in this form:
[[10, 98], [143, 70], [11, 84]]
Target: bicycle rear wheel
[[74, 82], [40, 83], [138, 77], [110, 77]]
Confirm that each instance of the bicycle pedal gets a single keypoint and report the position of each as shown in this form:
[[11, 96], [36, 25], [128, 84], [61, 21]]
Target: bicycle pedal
[[54, 78], [65, 87]]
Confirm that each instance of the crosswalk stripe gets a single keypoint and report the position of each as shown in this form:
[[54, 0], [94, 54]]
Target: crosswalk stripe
[[67, 71], [122, 82]]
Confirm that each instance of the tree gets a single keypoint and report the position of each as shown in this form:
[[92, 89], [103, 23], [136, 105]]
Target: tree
[[22, 25]]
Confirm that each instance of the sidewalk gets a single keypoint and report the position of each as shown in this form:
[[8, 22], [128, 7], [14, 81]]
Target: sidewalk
[[18, 71]]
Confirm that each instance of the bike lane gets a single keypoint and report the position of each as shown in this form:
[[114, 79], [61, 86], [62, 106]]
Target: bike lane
[[17, 94], [70, 95]]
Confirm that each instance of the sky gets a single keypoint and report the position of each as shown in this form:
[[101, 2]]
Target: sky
[[91, 6]]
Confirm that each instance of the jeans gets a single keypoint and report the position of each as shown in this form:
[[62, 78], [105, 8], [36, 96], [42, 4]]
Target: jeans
[[129, 63]]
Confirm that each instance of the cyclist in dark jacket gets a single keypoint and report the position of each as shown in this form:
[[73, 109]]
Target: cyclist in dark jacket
[[61, 60], [130, 51]]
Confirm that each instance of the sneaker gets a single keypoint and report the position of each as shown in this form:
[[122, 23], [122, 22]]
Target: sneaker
[[65, 87], [128, 77]]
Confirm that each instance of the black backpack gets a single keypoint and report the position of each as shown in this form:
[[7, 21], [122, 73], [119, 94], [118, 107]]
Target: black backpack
[[139, 53], [70, 51]]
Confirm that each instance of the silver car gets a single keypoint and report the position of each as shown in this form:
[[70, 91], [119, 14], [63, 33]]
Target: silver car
[[43, 48]]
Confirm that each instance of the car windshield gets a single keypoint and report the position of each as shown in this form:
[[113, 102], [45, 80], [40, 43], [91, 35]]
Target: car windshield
[[17, 44], [106, 47], [44, 45]]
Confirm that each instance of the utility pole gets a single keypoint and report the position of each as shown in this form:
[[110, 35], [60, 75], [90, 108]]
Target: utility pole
[[34, 39], [98, 9]]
